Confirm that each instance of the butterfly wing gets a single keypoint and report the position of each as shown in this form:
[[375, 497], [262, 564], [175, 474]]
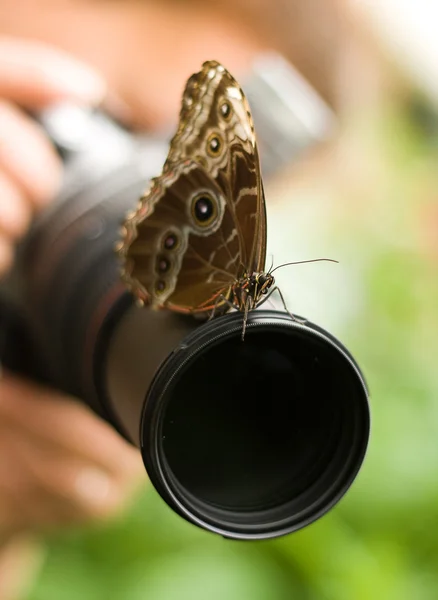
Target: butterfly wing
[[214, 102], [202, 223]]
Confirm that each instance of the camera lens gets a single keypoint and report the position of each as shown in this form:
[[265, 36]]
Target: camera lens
[[258, 438]]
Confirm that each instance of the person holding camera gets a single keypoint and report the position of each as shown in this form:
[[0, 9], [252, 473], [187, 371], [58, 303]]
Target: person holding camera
[[59, 463]]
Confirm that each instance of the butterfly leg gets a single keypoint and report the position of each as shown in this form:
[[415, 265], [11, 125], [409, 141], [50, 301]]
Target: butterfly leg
[[292, 316], [266, 297], [223, 299], [249, 305]]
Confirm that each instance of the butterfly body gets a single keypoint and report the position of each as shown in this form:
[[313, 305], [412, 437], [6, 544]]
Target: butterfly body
[[248, 291]]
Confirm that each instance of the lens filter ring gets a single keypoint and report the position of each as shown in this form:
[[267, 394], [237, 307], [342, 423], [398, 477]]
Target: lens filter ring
[[258, 438]]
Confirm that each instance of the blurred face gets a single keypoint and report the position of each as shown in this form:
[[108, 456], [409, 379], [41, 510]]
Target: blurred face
[[145, 49]]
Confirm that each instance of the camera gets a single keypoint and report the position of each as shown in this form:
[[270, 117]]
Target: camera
[[249, 440]]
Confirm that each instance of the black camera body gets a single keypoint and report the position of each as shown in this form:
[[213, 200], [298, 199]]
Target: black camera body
[[249, 439]]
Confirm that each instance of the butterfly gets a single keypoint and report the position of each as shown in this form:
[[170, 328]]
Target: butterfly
[[197, 241]]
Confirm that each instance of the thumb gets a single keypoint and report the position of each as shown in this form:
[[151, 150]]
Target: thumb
[[33, 74], [21, 557]]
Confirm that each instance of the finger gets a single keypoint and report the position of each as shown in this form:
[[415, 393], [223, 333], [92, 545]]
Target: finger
[[41, 489], [27, 157], [78, 491], [64, 424], [33, 75], [30, 497], [20, 507], [21, 557], [15, 212], [6, 255]]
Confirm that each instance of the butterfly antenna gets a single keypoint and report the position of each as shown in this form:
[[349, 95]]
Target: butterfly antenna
[[300, 262], [272, 264]]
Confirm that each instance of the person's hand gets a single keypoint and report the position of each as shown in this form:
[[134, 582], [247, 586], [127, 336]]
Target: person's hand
[[59, 463], [32, 76], [59, 466]]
